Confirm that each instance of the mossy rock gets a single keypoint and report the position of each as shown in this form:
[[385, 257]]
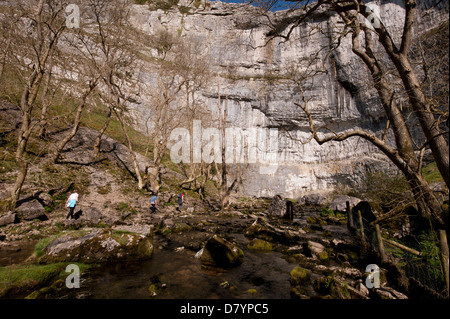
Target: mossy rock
[[34, 295], [331, 288], [31, 277], [300, 276], [152, 290], [252, 291], [323, 256], [298, 292], [260, 245], [312, 220], [101, 245], [180, 227], [262, 230]]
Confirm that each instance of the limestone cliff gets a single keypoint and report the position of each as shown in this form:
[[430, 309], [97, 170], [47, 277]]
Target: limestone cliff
[[257, 79]]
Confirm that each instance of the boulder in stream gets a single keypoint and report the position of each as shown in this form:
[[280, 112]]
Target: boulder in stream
[[281, 208], [300, 276], [222, 253]]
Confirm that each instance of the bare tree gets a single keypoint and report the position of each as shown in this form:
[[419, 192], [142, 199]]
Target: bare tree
[[12, 17], [47, 27], [164, 116], [223, 187], [117, 68], [182, 70], [364, 36]]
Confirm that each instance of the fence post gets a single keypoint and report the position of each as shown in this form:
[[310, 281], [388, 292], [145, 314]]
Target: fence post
[[349, 216], [361, 225], [380, 244], [444, 254]]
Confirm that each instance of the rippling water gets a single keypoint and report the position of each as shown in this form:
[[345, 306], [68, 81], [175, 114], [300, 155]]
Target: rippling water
[[174, 273], [178, 274]]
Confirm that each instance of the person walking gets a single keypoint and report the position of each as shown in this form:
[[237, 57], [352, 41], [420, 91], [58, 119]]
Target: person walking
[[153, 201], [180, 201], [71, 203]]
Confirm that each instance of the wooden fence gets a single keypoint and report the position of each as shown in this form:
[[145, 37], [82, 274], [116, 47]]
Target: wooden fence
[[371, 236]]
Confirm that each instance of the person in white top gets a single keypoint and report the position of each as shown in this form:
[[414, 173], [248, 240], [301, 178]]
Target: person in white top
[[71, 203]]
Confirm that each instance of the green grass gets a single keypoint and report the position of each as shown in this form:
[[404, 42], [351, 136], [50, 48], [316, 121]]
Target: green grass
[[95, 118], [26, 277], [40, 246], [431, 173]]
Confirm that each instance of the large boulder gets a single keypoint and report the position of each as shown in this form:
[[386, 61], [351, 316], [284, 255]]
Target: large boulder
[[31, 210], [313, 199], [91, 214], [100, 245], [370, 211], [8, 218], [222, 253], [300, 276], [317, 250], [280, 207], [44, 198], [339, 203]]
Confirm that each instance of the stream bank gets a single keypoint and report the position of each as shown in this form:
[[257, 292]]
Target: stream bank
[[322, 247]]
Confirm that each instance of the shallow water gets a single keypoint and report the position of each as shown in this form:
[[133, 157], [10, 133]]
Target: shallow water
[[16, 253], [175, 273], [179, 275]]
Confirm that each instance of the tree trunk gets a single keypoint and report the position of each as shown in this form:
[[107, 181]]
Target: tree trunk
[[20, 179], [26, 105], [28, 98], [98, 140], [154, 178], [424, 196], [435, 139], [417, 99], [130, 148], [43, 128], [76, 124]]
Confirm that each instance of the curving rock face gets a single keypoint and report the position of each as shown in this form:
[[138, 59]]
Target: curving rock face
[[257, 80], [97, 246]]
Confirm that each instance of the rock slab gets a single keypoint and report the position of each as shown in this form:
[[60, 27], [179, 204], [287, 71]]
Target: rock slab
[[100, 245]]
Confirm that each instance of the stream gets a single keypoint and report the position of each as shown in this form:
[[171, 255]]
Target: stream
[[174, 272], [180, 275]]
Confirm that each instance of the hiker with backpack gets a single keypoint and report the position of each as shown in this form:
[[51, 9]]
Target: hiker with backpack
[[180, 201], [153, 201]]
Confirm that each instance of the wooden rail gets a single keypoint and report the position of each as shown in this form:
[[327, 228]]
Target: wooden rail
[[375, 224]]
